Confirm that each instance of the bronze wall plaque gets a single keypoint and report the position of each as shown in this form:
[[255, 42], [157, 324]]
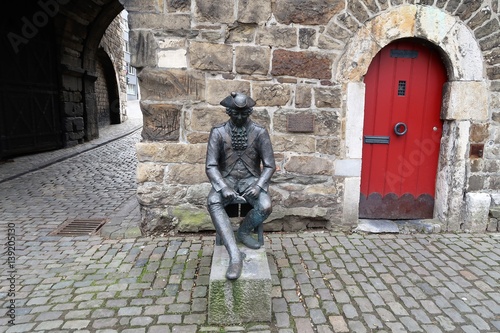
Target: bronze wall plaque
[[303, 123]]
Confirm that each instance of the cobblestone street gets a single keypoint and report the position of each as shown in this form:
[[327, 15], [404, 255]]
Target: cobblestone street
[[322, 281]]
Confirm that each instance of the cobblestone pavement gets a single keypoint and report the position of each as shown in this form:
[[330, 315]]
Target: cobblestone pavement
[[322, 281]]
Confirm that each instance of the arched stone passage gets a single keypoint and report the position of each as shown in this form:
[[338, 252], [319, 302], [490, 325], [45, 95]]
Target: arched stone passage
[[107, 92], [465, 97]]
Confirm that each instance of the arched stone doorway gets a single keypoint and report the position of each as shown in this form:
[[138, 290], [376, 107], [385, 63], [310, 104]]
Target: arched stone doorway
[[464, 99]]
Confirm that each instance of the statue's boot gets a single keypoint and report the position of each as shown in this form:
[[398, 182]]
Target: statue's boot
[[245, 233], [235, 266]]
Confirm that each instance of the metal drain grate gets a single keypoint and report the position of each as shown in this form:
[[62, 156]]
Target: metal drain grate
[[79, 227]]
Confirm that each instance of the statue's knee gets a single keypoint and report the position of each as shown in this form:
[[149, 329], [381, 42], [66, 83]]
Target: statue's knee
[[266, 209], [214, 199]]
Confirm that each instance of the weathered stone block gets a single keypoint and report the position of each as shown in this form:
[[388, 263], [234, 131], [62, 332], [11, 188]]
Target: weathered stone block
[[247, 299], [167, 152], [357, 58], [303, 213], [217, 90], [303, 96], [149, 172], [171, 84], [197, 137], [73, 109], [213, 36], [170, 43], [330, 97], [337, 32], [155, 220], [215, 11], [143, 48], [358, 10], [295, 143], [450, 180], [312, 65], [73, 124], [465, 55], [255, 11], [320, 195], [172, 58], [350, 200], [141, 6], [465, 100], [348, 168], [328, 146], [268, 94], [312, 12], [354, 116], [494, 211], [252, 60], [197, 195], [185, 174], [433, 23], [307, 38], [153, 194], [309, 165], [203, 119], [325, 122], [261, 117], [475, 183], [394, 24], [328, 43], [477, 211], [241, 33], [71, 83], [213, 57], [161, 121], [72, 136], [277, 36], [179, 5], [479, 133], [192, 219], [159, 21]]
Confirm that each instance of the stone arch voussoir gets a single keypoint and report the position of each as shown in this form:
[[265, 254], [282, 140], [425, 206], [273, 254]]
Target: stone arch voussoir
[[452, 36]]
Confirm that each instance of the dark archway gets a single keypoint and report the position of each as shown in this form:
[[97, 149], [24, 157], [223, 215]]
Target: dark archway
[[48, 73], [107, 92], [89, 56]]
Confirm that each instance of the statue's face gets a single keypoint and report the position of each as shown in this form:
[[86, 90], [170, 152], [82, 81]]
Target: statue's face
[[239, 117]]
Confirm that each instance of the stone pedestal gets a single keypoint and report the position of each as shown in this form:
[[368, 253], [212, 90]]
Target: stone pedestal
[[247, 299]]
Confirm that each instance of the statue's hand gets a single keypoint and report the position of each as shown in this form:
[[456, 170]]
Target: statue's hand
[[228, 193], [252, 192]]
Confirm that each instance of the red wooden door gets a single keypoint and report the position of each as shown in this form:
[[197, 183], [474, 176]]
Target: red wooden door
[[402, 132]]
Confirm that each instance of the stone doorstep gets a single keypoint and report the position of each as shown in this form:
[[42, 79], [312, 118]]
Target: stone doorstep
[[247, 299], [397, 226]]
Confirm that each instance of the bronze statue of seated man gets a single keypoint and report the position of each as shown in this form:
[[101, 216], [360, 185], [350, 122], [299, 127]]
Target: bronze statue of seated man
[[239, 163]]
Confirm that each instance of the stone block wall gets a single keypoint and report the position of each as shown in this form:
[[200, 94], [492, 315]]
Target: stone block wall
[[303, 62]]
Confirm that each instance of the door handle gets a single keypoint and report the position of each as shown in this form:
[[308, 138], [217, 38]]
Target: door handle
[[400, 129]]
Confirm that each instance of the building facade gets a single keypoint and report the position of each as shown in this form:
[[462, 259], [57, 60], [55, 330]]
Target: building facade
[[305, 63], [378, 109]]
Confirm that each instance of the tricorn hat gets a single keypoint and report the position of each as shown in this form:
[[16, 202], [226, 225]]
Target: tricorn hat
[[237, 101]]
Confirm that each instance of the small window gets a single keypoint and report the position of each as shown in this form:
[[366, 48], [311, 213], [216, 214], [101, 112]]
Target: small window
[[402, 88]]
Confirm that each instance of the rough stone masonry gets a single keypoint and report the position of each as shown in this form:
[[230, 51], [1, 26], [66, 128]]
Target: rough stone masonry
[[299, 59]]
